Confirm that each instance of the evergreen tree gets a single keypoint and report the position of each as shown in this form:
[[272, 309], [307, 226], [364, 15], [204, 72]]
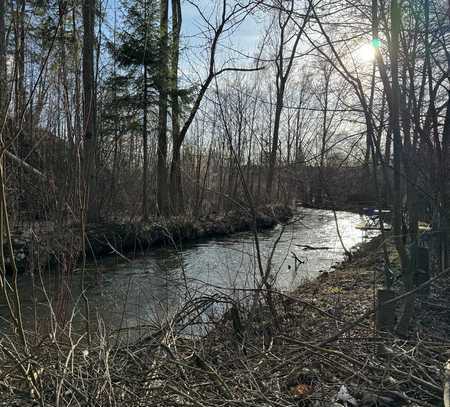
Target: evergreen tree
[[136, 54]]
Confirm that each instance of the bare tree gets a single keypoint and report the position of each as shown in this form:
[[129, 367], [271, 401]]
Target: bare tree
[[89, 107], [162, 192], [19, 58], [176, 188], [229, 18], [283, 67], [145, 103]]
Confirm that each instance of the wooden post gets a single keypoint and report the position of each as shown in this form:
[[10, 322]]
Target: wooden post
[[423, 270], [385, 315]]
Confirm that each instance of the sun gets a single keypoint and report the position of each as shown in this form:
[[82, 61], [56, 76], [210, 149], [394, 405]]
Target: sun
[[366, 53]]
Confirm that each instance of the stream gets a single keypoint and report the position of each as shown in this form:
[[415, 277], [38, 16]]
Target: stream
[[134, 293]]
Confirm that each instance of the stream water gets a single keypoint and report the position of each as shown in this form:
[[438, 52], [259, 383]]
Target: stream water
[[133, 293]]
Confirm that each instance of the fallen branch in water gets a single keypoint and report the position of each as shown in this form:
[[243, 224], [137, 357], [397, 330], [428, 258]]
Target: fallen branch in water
[[308, 247]]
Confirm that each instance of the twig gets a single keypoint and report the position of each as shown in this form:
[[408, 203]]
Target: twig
[[371, 311]]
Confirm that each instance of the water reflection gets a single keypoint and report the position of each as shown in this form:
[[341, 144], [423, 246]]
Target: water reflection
[[128, 294]]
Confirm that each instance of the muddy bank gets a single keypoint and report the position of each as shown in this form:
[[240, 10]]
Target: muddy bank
[[46, 247]]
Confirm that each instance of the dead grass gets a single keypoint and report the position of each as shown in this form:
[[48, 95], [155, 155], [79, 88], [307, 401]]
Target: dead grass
[[246, 361]]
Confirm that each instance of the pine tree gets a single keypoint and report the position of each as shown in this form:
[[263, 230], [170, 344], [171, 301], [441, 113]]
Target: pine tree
[[136, 53]]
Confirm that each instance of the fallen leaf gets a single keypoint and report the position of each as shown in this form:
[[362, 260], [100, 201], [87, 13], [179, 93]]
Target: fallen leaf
[[302, 390]]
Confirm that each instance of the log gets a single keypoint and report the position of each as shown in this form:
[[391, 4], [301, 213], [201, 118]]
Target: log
[[25, 165], [447, 384]]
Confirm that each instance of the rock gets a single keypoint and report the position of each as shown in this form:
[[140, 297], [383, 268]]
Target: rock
[[345, 397]]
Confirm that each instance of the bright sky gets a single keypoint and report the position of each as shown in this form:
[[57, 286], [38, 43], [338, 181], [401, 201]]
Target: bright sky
[[233, 46], [244, 38], [195, 46]]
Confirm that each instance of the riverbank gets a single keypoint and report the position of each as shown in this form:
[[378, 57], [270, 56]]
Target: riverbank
[[39, 247], [347, 207], [136, 237], [313, 354], [317, 355], [355, 207]]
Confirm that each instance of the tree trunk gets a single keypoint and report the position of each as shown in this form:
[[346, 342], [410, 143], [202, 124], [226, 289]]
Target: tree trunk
[[3, 81], [283, 68], [275, 138], [145, 148], [162, 184], [20, 62], [408, 306], [176, 187], [114, 180], [445, 181], [89, 108]]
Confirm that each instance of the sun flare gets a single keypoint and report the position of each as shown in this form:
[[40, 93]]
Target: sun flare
[[366, 53]]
